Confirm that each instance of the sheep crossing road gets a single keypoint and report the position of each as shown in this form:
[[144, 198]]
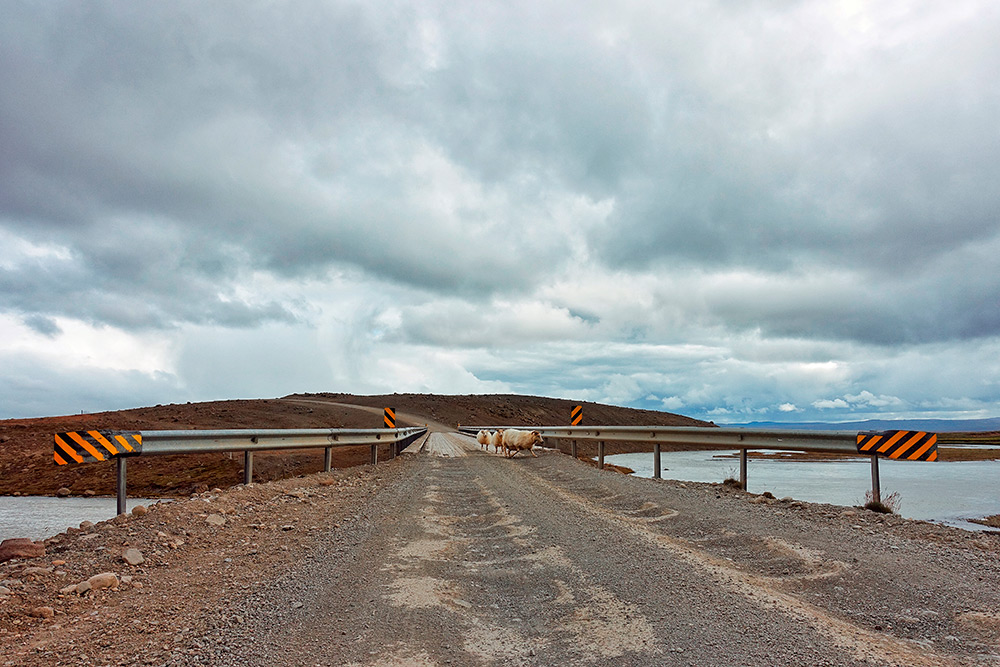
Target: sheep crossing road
[[463, 557]]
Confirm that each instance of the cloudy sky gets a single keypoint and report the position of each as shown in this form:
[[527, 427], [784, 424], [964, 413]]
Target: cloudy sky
[[773, 210]]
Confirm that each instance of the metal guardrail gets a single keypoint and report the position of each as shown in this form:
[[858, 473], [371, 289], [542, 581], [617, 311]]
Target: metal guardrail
[[896, 443], [106, 445]]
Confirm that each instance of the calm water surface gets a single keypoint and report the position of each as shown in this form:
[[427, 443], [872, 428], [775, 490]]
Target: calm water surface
[[39, 517], [944, 492]]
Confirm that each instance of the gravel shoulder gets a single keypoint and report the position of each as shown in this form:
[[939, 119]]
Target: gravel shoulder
[[456, 556]]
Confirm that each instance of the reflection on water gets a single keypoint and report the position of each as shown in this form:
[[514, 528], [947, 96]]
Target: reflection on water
[[39, 517], [945, 492]]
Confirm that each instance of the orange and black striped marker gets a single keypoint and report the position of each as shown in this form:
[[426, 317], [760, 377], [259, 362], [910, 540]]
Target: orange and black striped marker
[[902, 445], [389, 417], [83, 446], [576, 415]]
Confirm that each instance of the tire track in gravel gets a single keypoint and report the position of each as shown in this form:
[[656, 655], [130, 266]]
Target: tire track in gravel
[[764, 591], [468, 558]]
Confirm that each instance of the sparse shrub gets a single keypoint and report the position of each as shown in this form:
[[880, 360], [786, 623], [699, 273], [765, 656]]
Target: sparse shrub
[[889, 504], [732, 481]]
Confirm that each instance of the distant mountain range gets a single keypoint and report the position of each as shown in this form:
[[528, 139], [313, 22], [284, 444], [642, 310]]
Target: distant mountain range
[[932, 425]]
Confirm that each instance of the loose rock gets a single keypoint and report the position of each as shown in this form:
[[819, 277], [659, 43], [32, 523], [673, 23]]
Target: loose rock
[[133, 557], [216, 520], [35, 571], [20, 547], [63, 492], [140, 510], [102, 580], [42, 612]]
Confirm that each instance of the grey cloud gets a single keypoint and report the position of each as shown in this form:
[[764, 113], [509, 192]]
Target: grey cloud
[[188, 165], [138, 278], [43, 325], [35, 387]]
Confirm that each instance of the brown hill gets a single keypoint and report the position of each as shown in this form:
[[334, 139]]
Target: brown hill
[[26, 465]]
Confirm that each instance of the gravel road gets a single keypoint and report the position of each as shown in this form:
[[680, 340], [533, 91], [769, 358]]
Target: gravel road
[[457, 556]]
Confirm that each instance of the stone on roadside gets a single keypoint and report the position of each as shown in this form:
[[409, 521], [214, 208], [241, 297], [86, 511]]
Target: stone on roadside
[[69, 590], [103, 580], [90, 493], [133, 557], [216, 520], [86, 525], [4, 591], [20, 547], [83, 587], [35, 571], [62, 492], [140, 510], [42, 612]]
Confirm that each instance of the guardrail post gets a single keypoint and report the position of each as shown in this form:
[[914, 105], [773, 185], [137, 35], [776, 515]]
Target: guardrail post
[[327, 459], [572, 449], [120, 482], [247, 466], [600, 454], [656, 461], [374, 454], [743, 469], [876, 487]]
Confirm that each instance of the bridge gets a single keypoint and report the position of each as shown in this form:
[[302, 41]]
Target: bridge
[[450, 555]]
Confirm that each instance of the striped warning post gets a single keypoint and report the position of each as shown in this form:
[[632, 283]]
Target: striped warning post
[[389, 417], [576, 415], [901, 445], [84, 446]]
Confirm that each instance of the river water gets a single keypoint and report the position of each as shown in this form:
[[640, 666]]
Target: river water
[[39, 517], [949, 493], [943, 492]]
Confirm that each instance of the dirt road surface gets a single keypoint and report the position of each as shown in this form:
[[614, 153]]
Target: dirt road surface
[[455, 556]]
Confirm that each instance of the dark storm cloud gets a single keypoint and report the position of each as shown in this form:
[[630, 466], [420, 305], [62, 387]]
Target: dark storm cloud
[[444, 180], [294, 145]]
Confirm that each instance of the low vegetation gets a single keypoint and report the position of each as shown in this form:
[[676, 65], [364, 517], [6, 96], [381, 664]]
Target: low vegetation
[[888, 504]]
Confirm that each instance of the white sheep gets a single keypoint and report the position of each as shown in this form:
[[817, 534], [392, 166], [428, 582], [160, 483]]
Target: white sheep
[[496, 439], [515, 441]]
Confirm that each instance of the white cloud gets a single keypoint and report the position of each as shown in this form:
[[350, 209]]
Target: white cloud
[[672, 403], [827, 404]]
